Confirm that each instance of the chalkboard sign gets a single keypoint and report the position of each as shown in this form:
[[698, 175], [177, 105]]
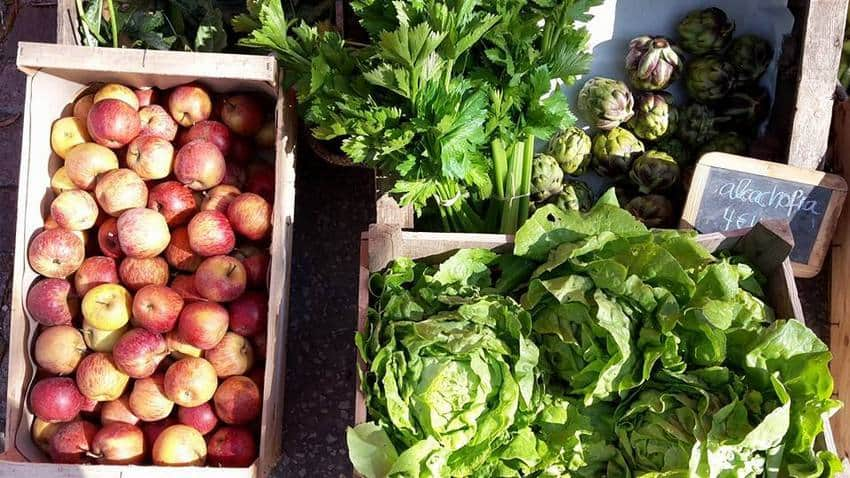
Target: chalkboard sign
[[733, 192]]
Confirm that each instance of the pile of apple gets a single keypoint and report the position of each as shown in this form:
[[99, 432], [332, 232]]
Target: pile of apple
[[153, 303]]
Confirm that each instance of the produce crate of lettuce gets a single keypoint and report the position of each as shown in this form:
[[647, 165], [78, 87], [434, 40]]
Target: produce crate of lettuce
[[597, 348]]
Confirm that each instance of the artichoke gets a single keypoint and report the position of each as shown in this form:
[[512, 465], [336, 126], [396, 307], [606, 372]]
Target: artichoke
[[676, 149], [745, 108], [571, 148], [709, 78], [750, 55], [652, 63], [653, 210], [605, 103], [546, 177], [697, 124], [614, 151], [625, 192], [705, 31], [654, 171], [732, 143], [576, 196], [655, 116]]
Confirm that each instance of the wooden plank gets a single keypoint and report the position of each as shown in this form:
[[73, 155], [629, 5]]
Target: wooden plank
[[67, 23], [821, 52], [388, 211]]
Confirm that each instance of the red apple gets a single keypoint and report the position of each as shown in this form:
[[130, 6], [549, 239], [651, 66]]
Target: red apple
[[231, 447], [90, 407], [94, 271], [113, 123], [232, 355], [107, 239], [147, 96], [174, 201], [184, 284], [259, 342], [120, 190], [85, 162], [256, 262], [189, 104], [56, 399], [74, 210], [52, 302], [82, 107], [156, 308], [258, 375], [152, 430], [118, 411], [137, 273], [58, 253], [151, 157], [148, 400], [156, 121], [199, 165], [212, 131], [251, 216], [41, 432], [241, 150], [221, 278], [72, 441], [98, 378], [219, 198], [202, 324], [210, 234], [59, 349], [237, 401], [138, 352], [260, 180], [243, 114], [249, 313], [234, 175], [190, 382], [201, 418], [142, 233], [265, 138], [179, 253], [118, 444]]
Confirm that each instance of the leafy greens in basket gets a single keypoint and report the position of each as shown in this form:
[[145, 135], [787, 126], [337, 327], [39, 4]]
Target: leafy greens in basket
[[598, 348]]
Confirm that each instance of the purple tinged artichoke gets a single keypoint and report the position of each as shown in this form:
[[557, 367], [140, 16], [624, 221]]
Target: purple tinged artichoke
[[654, 171], [705, 31], [653, 210], [697, 124], [709, 78], [614, 151], [745, 108], [676, 149], [732, 143], [576, 196], [605, 103], [652, 64], [571, 148], [655, 116], [547, 179], [750, 55]]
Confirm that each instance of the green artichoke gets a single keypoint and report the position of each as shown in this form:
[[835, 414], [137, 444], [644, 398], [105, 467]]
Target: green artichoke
[[605, 103], [750, 55], [653, 210], [732, 143], [705, 31], [745, 108], [614, 151], [697, 124], [652, 64], [655, 116], [547, 179], [571, 148], [676, 149], [654, 171], [576, 196], [709, 78]]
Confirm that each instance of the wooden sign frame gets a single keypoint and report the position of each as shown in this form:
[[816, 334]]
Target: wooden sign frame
[[755, 167]]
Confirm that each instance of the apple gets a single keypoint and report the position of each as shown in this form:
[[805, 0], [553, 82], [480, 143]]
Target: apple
[[138, 352], [52, 302], [142, 233], [220, 278], [190, 382], [147, 96], [237, 400], [265, 138], [259, 342], [56, 399], [199, 165], [85, 162], [179, 445], [61, 182], [98, 378], [152, 430], [66, 133], [151, 157], [210, 234], [107, 307], [241, 150], [251, 216], [219, 198], [90, 407], [179, 347], [59, 349], [120, 190], [59, 252], [258, 375], [201, 418], [82, 107], [107, 239], [249, 313], [156, 308], [234, 175], [179, 254], [256, 262], [118, 444], [189, 104], [41, 432], [118, 411], [184, 284], [202, 324], [231, 447], [113, 123], [233, 355], [101, 340], [137, 273], [155, 121], [260, 180], [72, 442], [174, 201], [94, 271], [117, 92], [212, 131], [148, 400], [243, 114], [74, 210]]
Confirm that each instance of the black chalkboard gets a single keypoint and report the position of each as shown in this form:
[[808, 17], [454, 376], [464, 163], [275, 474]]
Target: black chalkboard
[[736, 200]]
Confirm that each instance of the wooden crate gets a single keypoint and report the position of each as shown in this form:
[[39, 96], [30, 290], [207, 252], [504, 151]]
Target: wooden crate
[[383, 243], [56, 76]]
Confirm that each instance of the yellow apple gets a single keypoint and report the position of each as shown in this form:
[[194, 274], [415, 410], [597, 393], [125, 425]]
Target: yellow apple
[[107, 307], [101, 340], [66, 133], [61, 182], [117, 92]]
